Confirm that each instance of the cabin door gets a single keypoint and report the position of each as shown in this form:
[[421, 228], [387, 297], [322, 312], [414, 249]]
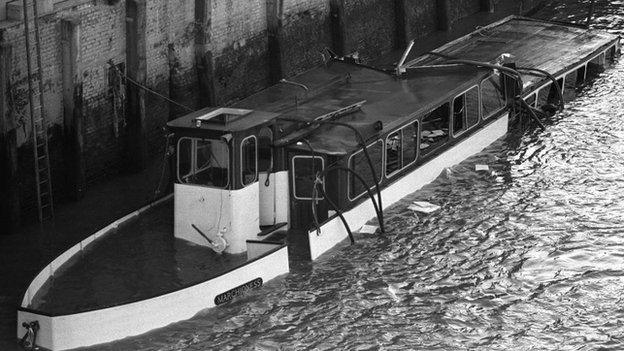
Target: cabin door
[[303, 170]]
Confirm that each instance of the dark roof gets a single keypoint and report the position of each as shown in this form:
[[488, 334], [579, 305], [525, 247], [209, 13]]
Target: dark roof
[[392, 101], [551, 46]]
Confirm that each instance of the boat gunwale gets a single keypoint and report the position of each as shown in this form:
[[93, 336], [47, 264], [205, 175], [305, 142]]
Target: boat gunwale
[[279, 246]]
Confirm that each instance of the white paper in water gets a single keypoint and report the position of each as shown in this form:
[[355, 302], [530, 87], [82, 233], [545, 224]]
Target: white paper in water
[[368, 229], [423, 207], [482, 168]]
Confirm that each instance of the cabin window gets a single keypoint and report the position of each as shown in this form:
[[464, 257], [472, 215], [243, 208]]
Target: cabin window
[[580, 75], [249, 160], [492, 96], [304, 174], [542, 95], [434, 130], [553, 95], [611, 54], [410, 143], [265, 150], [465, 111], [359, 164], [569, 86], [203, 162], [393, 152], [531, 99], [401, 148]]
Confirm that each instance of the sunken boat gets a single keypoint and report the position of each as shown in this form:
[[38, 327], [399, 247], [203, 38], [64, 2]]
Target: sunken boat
[[302, 166]]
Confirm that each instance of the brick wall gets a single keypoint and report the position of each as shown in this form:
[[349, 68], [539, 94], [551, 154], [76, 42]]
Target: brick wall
[[305, 33], [421, 18], [370, 27], [239, 44]]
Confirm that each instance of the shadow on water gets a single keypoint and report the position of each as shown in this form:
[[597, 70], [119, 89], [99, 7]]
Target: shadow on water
[[526, 255]]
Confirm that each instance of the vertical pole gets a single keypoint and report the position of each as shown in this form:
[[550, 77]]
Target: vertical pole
[[10, 203], [337, 20], [274, 9], [136, 139], [401, 21], [73, 140], [203, 55], [443, 14]]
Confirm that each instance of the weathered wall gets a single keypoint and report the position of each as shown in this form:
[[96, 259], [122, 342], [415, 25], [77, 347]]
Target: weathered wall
[[369, 27], [247, 44], [305, 33], [239, 44]]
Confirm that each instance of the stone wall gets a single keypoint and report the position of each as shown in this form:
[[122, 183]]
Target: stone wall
[[232, 49]]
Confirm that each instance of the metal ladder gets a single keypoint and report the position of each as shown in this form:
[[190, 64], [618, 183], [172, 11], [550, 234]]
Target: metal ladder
[[43, 179]]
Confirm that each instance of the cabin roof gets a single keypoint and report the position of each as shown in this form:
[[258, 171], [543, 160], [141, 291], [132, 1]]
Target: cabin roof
[[538, 44], [555, 47]]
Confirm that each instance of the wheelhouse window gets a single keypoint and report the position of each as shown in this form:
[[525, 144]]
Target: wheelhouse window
[[304, 174], [265, 150], [359, 164], [401, 148], [466, 111], [492, 96], [203, 162], [249, 160], [435, 128]]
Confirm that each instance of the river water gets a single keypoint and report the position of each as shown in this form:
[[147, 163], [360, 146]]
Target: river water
[[526, 256]]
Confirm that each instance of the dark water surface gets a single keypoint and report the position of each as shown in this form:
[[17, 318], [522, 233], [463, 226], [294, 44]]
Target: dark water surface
[[528, 256]]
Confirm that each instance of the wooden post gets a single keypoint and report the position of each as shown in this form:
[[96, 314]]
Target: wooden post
[[135, 136], [337, 20], [274, 9], [10, 202], [203, 55], [487, 6], [401, 21], [443, 14], [73, 140]]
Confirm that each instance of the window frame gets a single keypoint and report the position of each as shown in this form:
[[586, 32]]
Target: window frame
[[420, 123], [465, 116], [496, 112], [194, 141], [242, 178], [294, 170], [383, 159]]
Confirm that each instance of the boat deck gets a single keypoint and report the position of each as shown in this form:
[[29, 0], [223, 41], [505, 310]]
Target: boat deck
[[139, 261]]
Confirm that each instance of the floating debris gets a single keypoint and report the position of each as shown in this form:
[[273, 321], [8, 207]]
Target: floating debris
[[482, 168], [423, 207], [368, 229]]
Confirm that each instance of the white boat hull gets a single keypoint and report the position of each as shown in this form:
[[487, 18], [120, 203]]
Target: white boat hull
[[333, 232]]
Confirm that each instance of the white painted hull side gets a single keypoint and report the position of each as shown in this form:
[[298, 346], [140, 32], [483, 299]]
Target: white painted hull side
[[217, 211], [333, 232], [114, 323]]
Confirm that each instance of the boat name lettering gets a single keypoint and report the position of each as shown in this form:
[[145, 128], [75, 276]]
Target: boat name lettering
[[237, 291]]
